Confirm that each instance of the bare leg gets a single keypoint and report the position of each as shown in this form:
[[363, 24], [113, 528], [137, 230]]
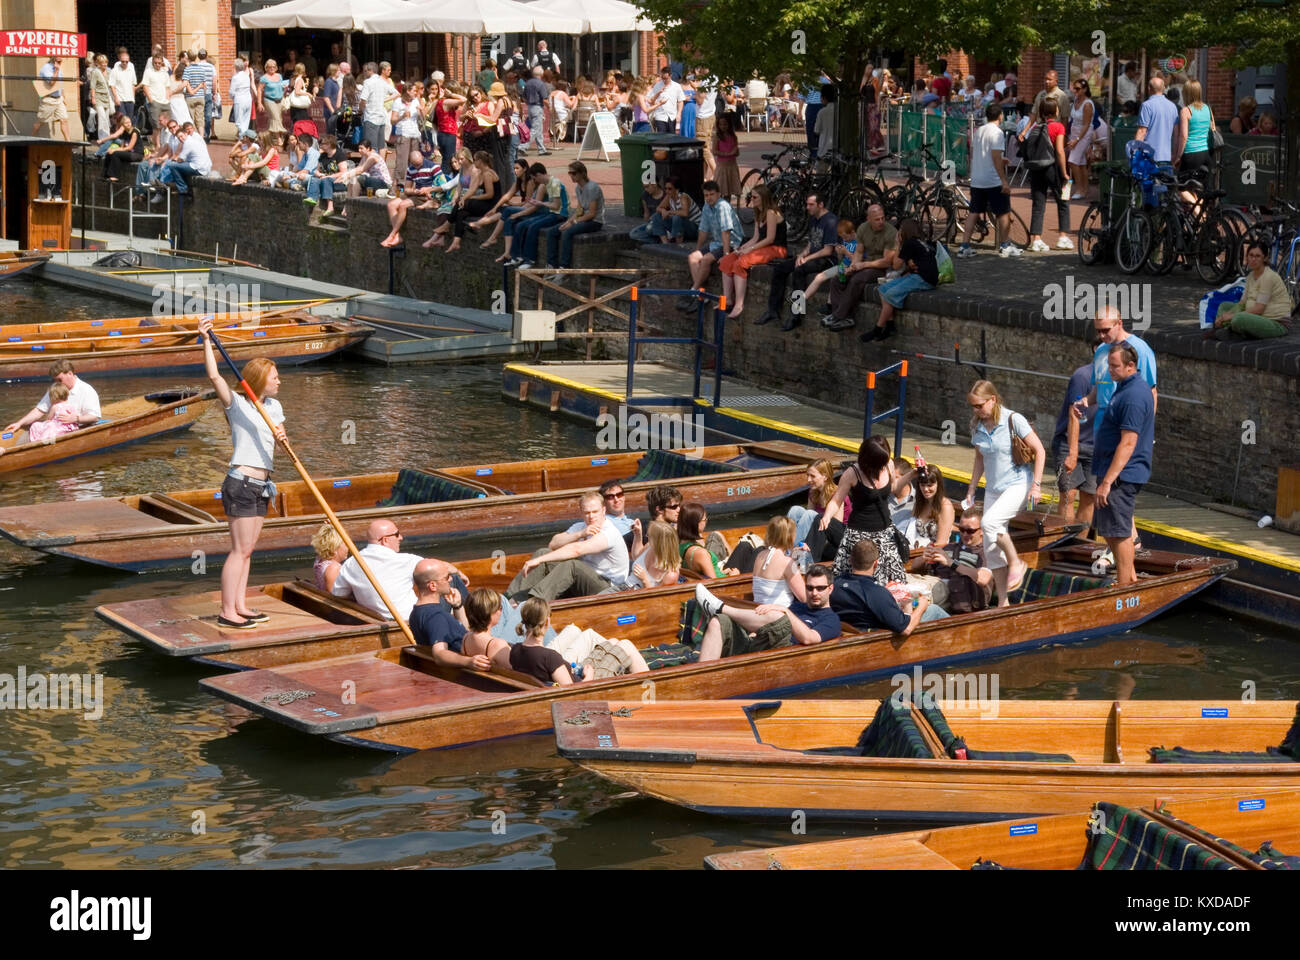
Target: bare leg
[[1015, 567], [1086, 503], [711, 645], [1122, 548], [244, 532], [1000, 582], [741, 284]]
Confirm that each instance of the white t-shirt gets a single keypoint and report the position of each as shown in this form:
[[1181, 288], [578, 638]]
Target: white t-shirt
[[373, 92], [672, 97], [252, 441], [987, 138], [123, 81], [393, 570], [708, 87], [756, 88], [82, 396], [156, 83], [612, 562]]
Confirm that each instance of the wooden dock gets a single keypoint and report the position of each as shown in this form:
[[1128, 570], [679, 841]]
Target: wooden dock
[[1267, 583]]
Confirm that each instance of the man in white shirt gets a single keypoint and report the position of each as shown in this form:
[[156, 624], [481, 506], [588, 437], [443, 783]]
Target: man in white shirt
[[154, 83], [1126, 84], [666, 98], [81, 395], [54, 106], [122, 82], [374, 115], [545, 59], [192, 160], [990, 190], [588, 558], [393, 570], [706, 100]]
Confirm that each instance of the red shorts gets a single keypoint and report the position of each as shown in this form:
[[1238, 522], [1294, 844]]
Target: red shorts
[[738, 264]]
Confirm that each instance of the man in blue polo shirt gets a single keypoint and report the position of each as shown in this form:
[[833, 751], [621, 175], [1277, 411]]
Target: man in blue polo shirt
[[732, 630], [438, 619], [861, 602], [1157, 120], [1121, 458]]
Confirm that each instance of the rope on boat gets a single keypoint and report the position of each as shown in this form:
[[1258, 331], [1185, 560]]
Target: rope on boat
[[286, 697], [583, 717]]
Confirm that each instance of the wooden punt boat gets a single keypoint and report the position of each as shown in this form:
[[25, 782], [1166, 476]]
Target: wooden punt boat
[[156, 531], [14, 262], [401, 704], [308, 625], [168, 345], [770, 758], [1062, 842], [124, 421]]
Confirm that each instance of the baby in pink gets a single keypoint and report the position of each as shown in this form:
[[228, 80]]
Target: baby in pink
[[52, 426]]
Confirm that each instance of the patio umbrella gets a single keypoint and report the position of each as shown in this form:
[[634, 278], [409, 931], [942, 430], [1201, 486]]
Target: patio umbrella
[[469, 17], [597, 16]]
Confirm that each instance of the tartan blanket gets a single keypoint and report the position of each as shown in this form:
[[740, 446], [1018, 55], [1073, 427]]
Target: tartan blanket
[[691, 623], [1125, 839], [893, 733], [1268, 856], [669, 655], [669, 465], [1041, 584], [416, 486]]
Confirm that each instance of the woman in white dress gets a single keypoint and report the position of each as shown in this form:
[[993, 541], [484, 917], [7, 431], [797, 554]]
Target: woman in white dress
[[177, 91], [241, 96]]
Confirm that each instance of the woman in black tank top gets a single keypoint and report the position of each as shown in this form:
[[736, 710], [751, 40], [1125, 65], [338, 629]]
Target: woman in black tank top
[[867, 484], [478, 200]]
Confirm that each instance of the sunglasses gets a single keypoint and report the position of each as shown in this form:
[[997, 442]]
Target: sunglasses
[[672, 506], [614, 495], [819, 587], [969, 531]]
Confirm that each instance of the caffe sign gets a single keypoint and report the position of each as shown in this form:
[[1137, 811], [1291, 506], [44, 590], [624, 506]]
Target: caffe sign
[[41, 43]]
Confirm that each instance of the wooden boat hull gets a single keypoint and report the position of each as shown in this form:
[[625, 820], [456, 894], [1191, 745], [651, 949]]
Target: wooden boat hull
[[707, 757], [125, 422], [292, 346], [305, 625], [14, 262], [1048, 843], [136, 533], [401, 709]]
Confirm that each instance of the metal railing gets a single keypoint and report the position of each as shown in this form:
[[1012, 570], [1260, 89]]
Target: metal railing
[[700, 344], [870, 419]]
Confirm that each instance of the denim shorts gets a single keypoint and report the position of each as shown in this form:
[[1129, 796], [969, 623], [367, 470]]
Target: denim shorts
[[244, 497], [715, 248], [1115, 520], [895, 291]]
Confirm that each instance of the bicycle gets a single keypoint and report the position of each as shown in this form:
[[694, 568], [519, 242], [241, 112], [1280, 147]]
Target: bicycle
[[1196, 234], [801, 157], [932, 204], [1017, 229]]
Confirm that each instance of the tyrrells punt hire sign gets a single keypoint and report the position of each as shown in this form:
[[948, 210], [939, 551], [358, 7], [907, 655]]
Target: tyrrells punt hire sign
[[41, 43]]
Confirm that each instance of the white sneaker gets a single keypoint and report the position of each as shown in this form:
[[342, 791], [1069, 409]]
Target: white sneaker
[[1063, 243], [965, 251], [1039, 247], [707, 601], [1010, 250]]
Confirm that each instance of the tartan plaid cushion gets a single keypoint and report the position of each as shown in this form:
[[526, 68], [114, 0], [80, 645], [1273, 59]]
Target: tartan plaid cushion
[[1270, 858], [1183, 755], [416, 486], [691, 623], [952, 743], [1021, 756], [669, 655], [669, 465], [893, 733], [1041, 584], [1124, 839]]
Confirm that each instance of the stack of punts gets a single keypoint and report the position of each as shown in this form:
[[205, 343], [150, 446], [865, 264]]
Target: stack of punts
[[14, 262], [1251, 832], [157, 531], [306, 624], [123, 421], [402, 702], [922, 760], [169, 345]]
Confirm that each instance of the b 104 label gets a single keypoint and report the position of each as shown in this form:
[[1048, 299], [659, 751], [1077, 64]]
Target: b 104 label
[[1127, 603], [739, 491]]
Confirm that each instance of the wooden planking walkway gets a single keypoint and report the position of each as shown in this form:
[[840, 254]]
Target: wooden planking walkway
[[750, 405]]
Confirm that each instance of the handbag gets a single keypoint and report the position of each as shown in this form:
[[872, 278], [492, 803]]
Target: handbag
[[1021, 452], [1216, 139], [300, 100]]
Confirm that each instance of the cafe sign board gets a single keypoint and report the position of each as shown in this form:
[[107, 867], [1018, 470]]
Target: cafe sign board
[[41, 43]]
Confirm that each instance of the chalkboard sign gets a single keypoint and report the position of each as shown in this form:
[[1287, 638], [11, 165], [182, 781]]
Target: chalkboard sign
[[602, 134]]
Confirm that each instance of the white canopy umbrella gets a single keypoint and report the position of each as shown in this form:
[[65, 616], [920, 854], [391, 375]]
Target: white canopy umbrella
[[597, 16], [318, 14], [469, 17]]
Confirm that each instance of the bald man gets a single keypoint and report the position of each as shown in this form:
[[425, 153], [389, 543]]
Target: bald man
[[394, 571], [432, 624]]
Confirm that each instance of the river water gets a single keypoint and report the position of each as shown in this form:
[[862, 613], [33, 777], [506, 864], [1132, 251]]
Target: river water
[[172, 777]]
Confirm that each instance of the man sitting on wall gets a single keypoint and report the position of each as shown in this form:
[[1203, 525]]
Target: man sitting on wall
[[192, 160]]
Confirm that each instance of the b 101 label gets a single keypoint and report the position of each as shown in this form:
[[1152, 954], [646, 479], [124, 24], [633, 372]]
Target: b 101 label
[[1127, 603], [1023, 829], [1256, 804], [1219, 712]]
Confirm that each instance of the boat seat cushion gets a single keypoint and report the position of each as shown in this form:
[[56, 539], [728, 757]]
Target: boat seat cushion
[[1042, 584], [1183, 755], [893, 733], [1271, 858], [416, 486], [1125, 839], [669, 655], [670, 465], [1018, 756]]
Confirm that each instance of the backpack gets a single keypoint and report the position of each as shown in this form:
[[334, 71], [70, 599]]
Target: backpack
[[1038, 154]]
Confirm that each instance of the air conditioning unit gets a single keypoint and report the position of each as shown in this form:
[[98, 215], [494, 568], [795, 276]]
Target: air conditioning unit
[[532, 325]]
